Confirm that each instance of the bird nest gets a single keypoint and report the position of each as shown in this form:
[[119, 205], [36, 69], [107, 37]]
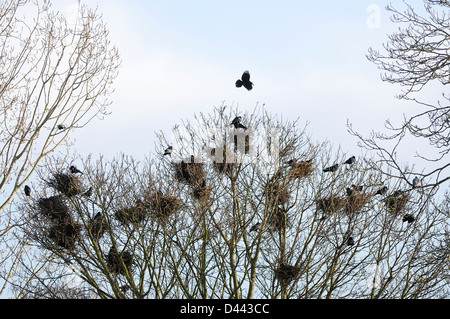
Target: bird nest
[[98, 227], [301, 170], [190, 172], [163, 206], [396, 202], [67, 184], [133, 214], [277, 194], [65, 234], [119, 263], [277, 219], [202, 193], [330, 204], [53, 208], [286, 273], [355, 202]]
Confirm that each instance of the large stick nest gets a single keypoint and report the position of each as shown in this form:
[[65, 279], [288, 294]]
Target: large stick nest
[[277, 194], [396, 202], [286, 273], [331, 204], [119, 263], [54, 208], [65, 234], [67, 184], [303, 169], [132, 214], [163, 206], [190, 172]]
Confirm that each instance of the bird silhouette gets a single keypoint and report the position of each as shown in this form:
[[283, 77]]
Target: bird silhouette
[[350, 241], [61, 126], [333, 168], [237, 123], [255, 227], [382, 190], [350, 161], [245, 81], [27, 190], [88, 193], [97, 216], [74, 170], [408, 218], [168, 151], [349, 191]]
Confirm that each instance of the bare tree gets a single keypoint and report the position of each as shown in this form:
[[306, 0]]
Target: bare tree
[[417, 56], [226, 216], [55, 76]]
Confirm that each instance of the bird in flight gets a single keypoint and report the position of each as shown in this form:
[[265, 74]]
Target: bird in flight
[[245, 81], [27, 190], [168, 151], [350, 161], [333, 168], [74, 170]]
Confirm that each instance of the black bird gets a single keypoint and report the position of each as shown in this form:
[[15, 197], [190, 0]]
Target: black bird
[[245, 81], [168, 151], [255, 227], [27, 190], [88, 193], [97, 216], [382, 190], [236, 121], [75, 170], [333, 168], [350, 241], [408, 218], [350, 161], [61, 126], [349, 191]]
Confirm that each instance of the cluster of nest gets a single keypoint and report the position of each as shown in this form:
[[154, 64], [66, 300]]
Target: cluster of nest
[[64, 230], [163, 206], [299, 170], [286, 273], [67, 184], [396, 202], [355, 202], [349, 205], [119, 263]]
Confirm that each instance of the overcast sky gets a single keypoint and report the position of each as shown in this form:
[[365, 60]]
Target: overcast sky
[[307, 60]]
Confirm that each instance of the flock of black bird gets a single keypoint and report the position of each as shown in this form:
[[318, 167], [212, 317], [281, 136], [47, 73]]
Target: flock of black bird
[[245, 82]]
